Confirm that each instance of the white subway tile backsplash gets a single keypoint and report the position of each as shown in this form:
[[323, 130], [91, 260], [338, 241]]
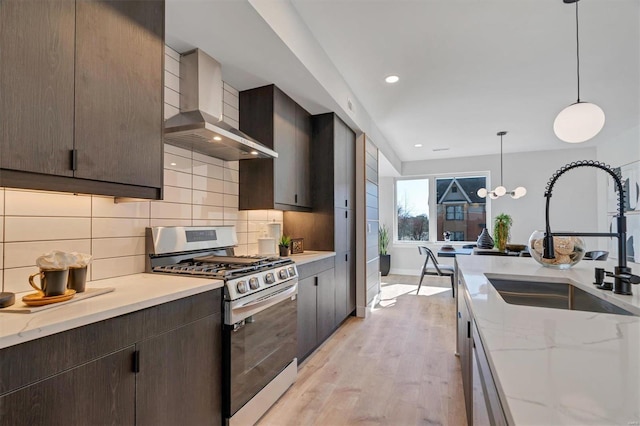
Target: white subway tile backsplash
[[207, 222], [242, 226], [232, 188], [19, 228], [16, 280], [164, 210], [176, 150], [233, 165], [173, 194], [202, 183], [107, 207], [103, 248], [173, 178], [253, 215], [275, 215], [170, 111], [208, 170], [1, 201], [172, 66], [172, 53], [231, 175], [41, 203], [21, 254], [241, 250], [207, 198], [230, 214], [171, 97], [230, 91], [172, 81], [206, 159], [242, 237], [171, 222], [1, 259], [231, 122], [116, 267], [177, 163], [252, 248], [230, 200], [208, 213], [230, 112], [118, 227], [243, 215]]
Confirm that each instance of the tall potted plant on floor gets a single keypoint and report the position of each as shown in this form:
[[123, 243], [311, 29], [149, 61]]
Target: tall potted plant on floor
[[502, 230], [383, 244]]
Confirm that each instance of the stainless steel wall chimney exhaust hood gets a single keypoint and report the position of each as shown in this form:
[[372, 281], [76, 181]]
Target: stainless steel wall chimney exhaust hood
[[199, 126]]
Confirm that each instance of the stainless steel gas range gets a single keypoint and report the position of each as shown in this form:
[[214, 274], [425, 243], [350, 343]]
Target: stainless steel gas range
[[260, 312]]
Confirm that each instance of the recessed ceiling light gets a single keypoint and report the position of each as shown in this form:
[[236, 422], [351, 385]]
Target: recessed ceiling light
[[392, 79], [254, 152], [418, 145], [440, 149], [173, 164], [217, 138]]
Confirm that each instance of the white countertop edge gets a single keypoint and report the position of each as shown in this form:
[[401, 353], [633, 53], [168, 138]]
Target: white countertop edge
[[16, 328]]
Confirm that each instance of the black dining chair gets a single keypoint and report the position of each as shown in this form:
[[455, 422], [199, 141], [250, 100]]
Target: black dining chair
[[596, 255], [436, 269]]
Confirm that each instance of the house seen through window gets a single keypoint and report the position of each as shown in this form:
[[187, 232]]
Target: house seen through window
[[453, 203]]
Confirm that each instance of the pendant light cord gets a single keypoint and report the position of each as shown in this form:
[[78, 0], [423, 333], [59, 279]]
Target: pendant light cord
[[577, 51], [501, 161]]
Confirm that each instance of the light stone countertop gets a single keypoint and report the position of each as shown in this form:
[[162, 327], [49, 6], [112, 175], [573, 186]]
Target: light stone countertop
[[309, 256], [555, 366], [132, 293]]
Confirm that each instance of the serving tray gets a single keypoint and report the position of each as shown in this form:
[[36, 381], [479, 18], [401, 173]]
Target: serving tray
[[21, 308]]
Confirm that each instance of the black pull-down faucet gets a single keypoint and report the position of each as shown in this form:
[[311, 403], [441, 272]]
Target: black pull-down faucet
[[622, 274]]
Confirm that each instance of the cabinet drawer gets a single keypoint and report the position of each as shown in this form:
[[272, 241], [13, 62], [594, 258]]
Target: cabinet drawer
[[314, 268]]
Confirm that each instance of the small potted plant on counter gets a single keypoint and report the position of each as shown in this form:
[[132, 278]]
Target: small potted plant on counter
[[283, 245], [385, 258], [501, 230]]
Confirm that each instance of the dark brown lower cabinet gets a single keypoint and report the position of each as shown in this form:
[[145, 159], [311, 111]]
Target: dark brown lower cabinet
[[316, 305], [96, 393], [178, 382], [158, 366]]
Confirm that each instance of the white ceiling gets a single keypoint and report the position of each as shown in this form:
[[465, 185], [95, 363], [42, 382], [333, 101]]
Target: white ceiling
[[468, 68]]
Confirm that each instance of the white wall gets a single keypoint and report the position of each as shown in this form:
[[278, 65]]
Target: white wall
[[573, 205]]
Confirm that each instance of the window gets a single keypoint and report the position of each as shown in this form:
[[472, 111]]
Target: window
[[412, 208], [452, 201], [459, 209], [455, 212]]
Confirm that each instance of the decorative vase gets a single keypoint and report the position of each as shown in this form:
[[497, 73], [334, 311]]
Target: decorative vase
[[385, 264], [567, 250], [484, 240], [284, 251]]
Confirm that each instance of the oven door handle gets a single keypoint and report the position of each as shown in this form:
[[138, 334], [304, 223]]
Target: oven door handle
[[243, 311]]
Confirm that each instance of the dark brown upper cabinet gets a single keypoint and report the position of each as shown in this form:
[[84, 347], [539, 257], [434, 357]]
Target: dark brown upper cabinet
[[82, 96], [277, 121]]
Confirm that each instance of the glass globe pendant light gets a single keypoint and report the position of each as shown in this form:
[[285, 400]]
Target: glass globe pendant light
[[580, 121], [519, 192]]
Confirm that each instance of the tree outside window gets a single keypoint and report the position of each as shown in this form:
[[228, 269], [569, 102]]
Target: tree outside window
[[412, 208]]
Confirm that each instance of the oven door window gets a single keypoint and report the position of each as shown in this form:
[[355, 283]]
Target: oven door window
[[261, 349]]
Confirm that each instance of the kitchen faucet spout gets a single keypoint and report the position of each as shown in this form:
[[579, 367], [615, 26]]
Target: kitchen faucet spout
[[621, 285]]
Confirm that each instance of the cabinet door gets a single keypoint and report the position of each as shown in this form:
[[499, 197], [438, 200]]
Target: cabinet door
[[350, 167], [302, 163], [342, 219], [99, 392], [326, 304], [465, 348], [179, 381], [284, 137], [339, 164], [307, 314], [345, 301], [36, 85], [119, 91]]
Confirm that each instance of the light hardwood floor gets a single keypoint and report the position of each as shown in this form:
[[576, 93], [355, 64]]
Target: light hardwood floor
[[396, 367]]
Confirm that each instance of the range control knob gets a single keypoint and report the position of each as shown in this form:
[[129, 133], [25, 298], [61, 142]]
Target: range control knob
[[283, 274], [292, 271], [269, 278], [254, 284], [242, 287]]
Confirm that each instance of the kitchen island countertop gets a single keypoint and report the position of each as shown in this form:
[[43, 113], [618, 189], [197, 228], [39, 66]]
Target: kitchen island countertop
[[555, 366], [132, 293]]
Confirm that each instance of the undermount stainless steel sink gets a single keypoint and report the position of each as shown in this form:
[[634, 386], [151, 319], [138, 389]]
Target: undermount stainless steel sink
[[553, 295]]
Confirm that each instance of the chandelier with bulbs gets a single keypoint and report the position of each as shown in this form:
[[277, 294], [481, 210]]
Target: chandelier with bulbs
[[519, 192]]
